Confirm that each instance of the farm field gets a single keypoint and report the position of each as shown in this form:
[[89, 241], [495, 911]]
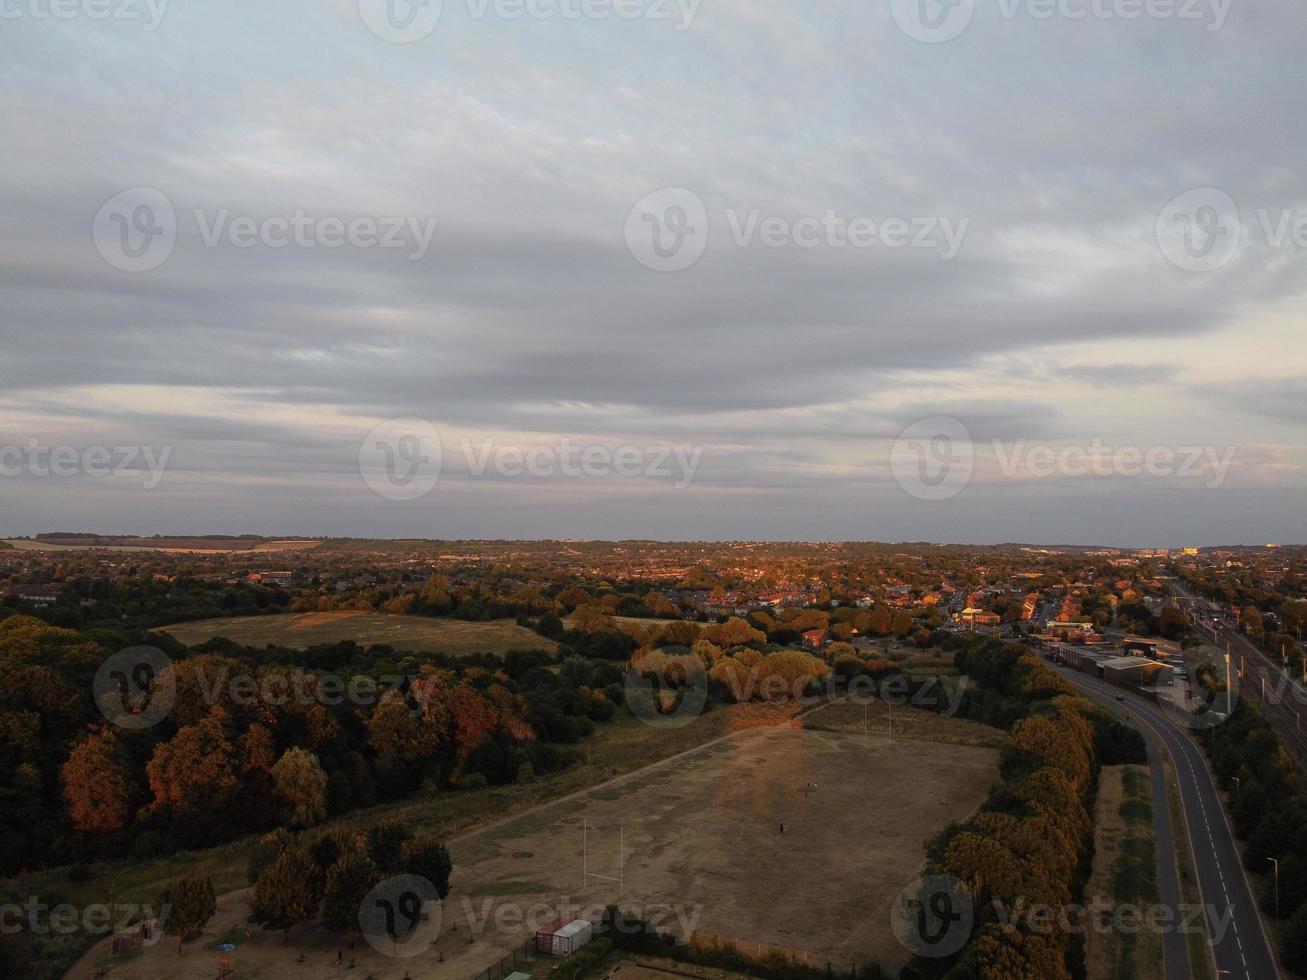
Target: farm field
[[703, 853], [421, 634], [170, 546]]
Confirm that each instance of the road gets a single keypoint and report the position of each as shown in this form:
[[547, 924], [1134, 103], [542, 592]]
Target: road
[[1241, 947]]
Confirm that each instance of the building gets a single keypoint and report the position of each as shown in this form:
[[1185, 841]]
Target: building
[[815, 639], [37, 595], [975, 617], [1135, 672], [1153, 649]]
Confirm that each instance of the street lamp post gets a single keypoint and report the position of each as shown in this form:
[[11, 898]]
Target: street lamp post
[[1277, 886]]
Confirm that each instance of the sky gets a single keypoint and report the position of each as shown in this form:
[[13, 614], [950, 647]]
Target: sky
[[977, 272]]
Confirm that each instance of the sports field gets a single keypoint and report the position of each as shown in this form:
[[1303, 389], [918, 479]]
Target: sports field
[[422, 634]]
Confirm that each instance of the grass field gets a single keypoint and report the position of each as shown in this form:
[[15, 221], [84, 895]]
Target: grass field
[[908, 723], [1125, 872], [421, 634], [703, 850]]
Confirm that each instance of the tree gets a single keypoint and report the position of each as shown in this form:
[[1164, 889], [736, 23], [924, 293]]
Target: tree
[[427, 858], [198, 768], [1250, 620], [880, 621], [302, 783], [100, 784], [284, 895], [348, 882], [187, 905], [590, 619]]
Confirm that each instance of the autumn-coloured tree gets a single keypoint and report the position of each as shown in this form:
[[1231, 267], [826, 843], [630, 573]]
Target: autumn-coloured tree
[[198, 768], [100, 784], [301, 782], [591, 618]]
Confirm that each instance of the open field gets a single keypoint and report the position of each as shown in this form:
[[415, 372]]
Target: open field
[[175, 547], [422, 634], [908, 723], [703, 852]]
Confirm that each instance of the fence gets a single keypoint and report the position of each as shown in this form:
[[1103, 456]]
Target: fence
[[505, 966]]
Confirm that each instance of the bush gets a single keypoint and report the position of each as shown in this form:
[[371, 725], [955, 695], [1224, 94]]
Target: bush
[[584, 959]]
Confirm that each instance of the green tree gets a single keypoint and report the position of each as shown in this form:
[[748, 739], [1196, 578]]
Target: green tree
[[187, 905], [348, 882], [427, 858], [284, 894], [302, 784]]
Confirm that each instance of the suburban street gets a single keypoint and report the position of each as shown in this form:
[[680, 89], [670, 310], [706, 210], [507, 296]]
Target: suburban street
[[1240, 944]]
